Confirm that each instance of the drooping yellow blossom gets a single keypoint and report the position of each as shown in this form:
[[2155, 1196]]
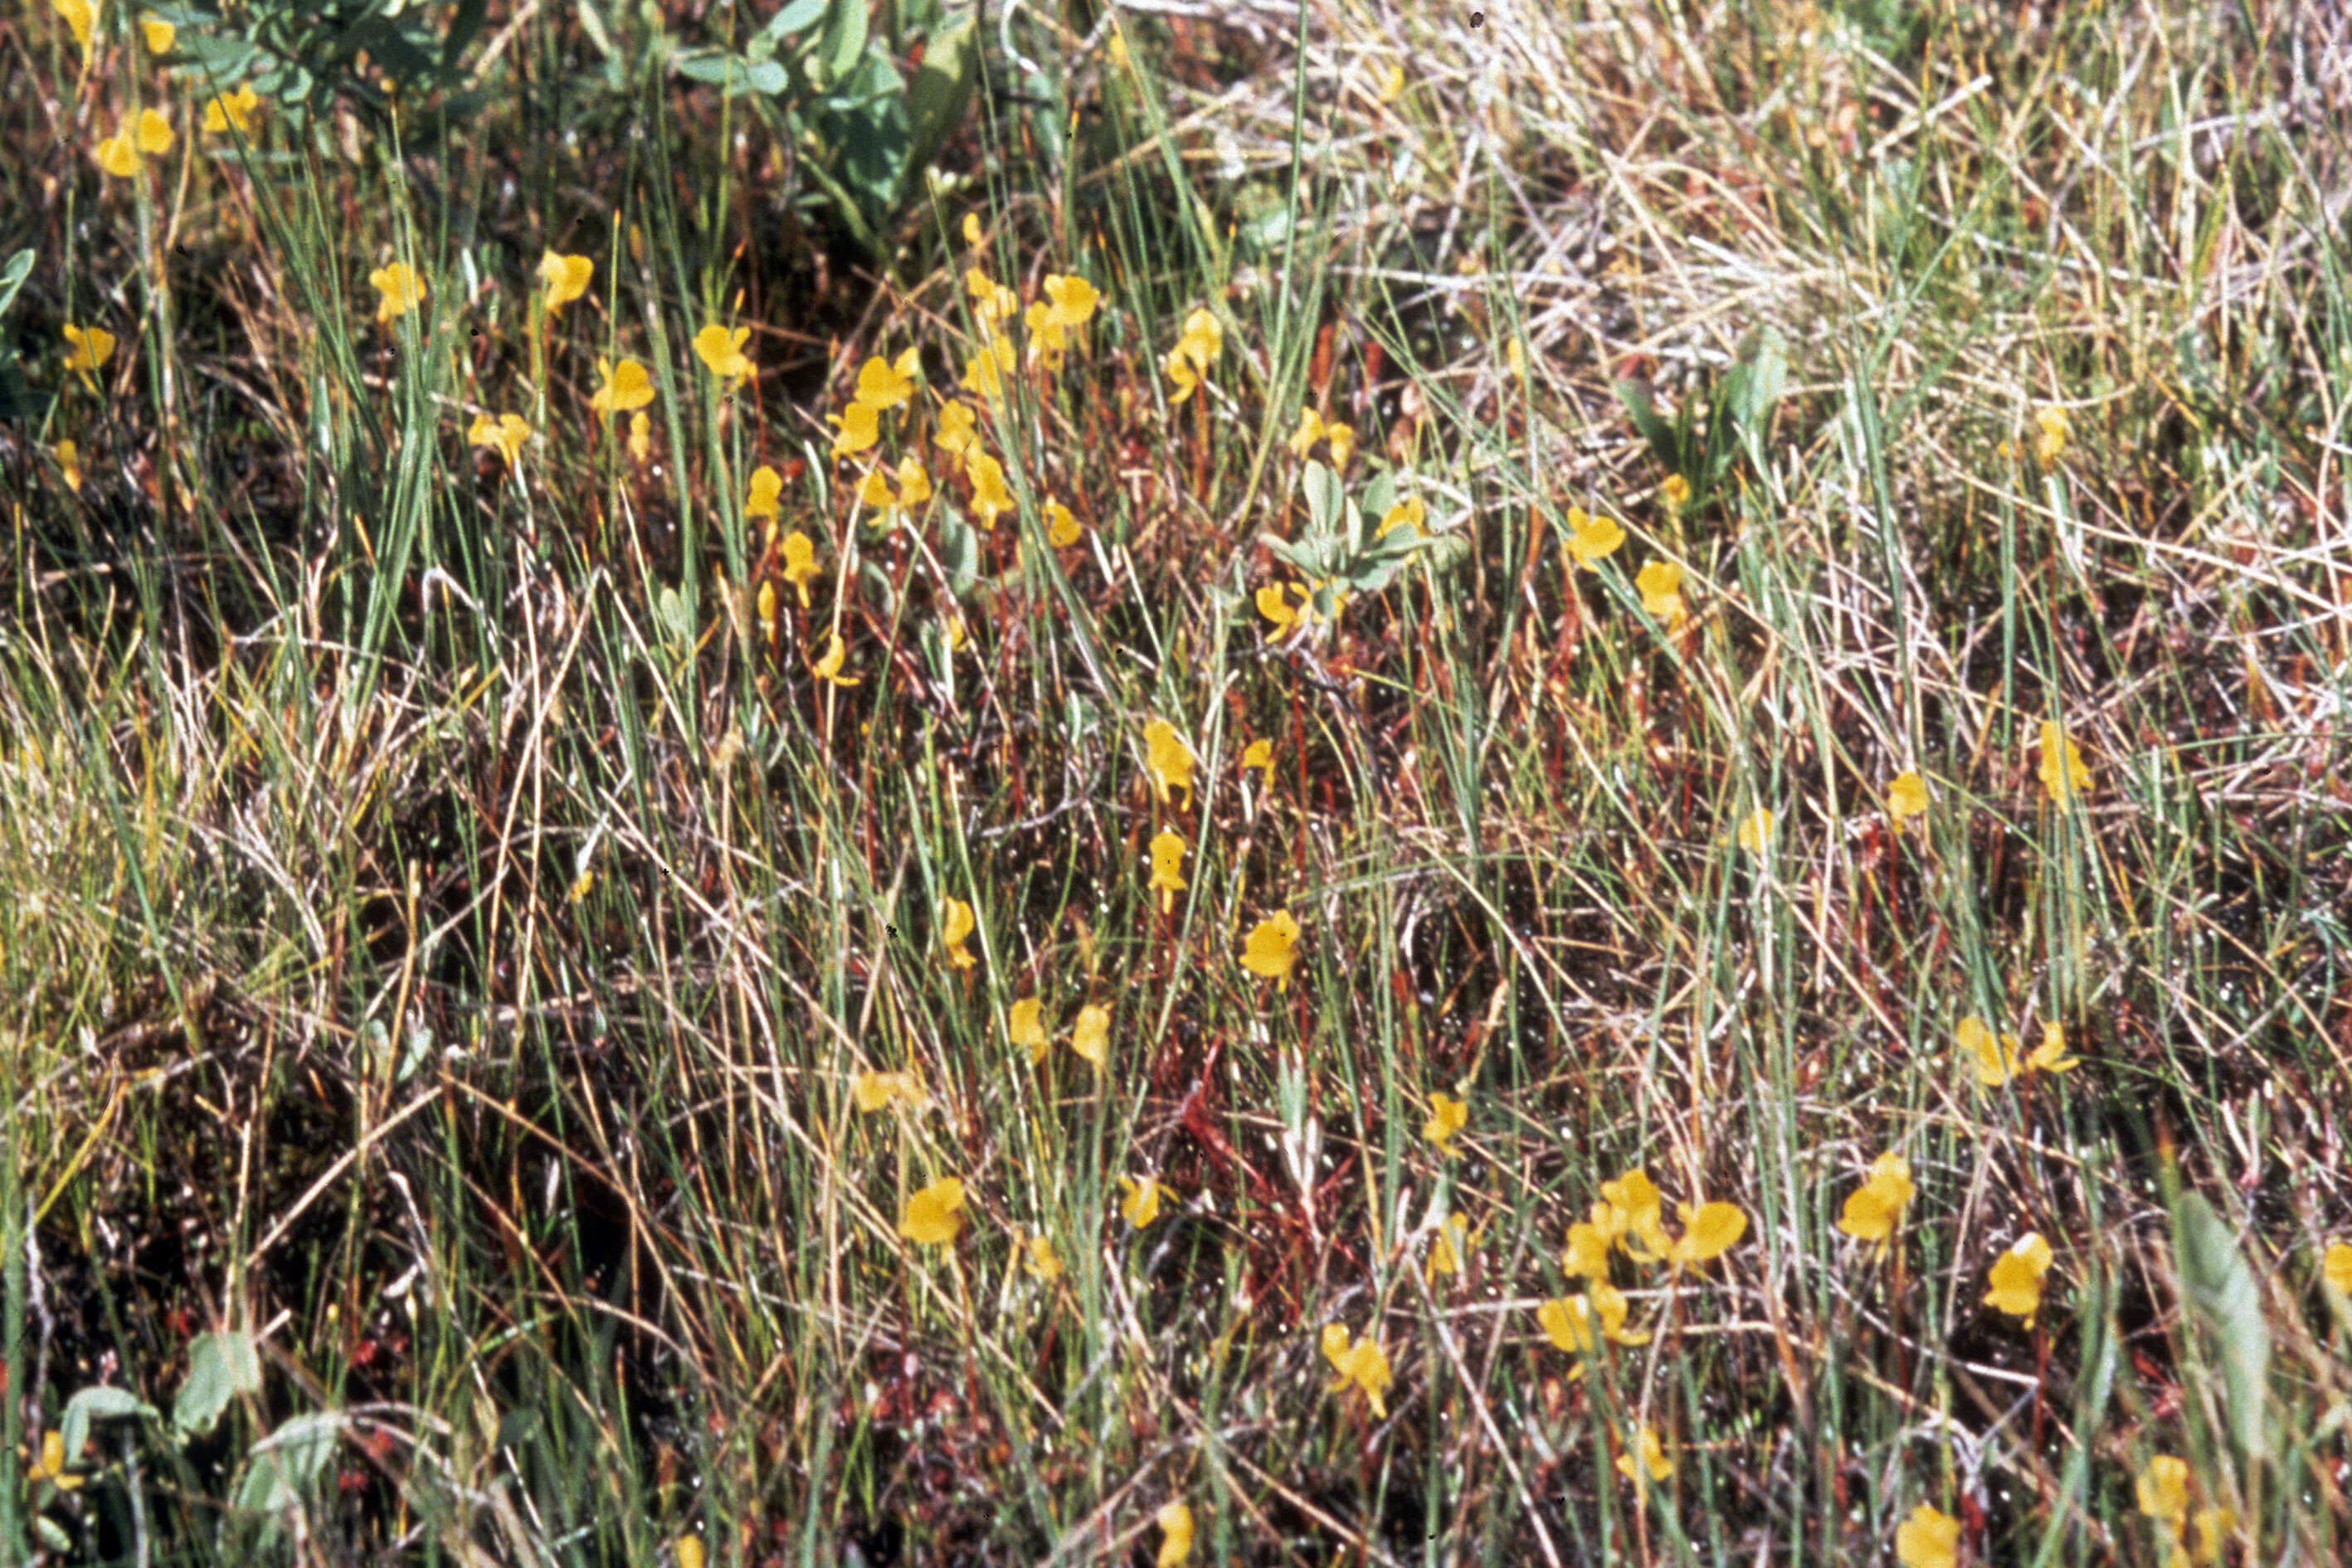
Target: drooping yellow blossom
[[955, 925], [641, 438], [1259, 753], [1930, 1537], [2335, 1268], [858, 429], [800, 564], [1167, 860], [81, 17], [766, 605], [2051, 440], [1756, 831], [1906, 797], [1142, 1204], [1646, 1463], [1361, 1363], [1026, 1028], [983, 373], [1631, 1206], [563, 278], [956, 435], [1591, 540], [1047, 336], [1874, 1209], [1588, 1251], [934, 1216], [1072, 299], [827, 667], [870, 1091], [1676, 491], [1062, 529], [722, 350], [1447, 1116], [2017, 1275], [625, 387], [1090, 1035], [398, 288], [1168, 760], [914, 484], [91, 348], [1445, 1250], [506, 434], [1410, 512], [1274, 604], [1312, 429], [2062, 771], [1271, 951], [990, 498], [160, 34], [69, 456], [2163, 1489], [1660, 583], [1175, 1521], [883, 385], [1709, 1232], [1038, 1256], [767, 486], [233, 108]]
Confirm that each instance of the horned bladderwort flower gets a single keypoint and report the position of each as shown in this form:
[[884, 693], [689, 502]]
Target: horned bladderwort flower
[[1167, 760], [505, 435], [1271, 949], [934, 1216], [722, 350], [235, 108], [1167, 862], [1591, 540], [1906, 797], [870, 1091], [150, 135], [956, 924], [1447, 1116], [1660, 583], [563, 278], [1930, 1537], [622, 388], [2017, 1277], [1142, 1204], [1090, 1034], [1873, 1210], [1023, 1024], [399, 291], [2063, 773], [1359, 1362]]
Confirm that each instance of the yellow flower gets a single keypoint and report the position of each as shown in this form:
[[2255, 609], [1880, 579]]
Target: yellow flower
[[1906, 797], [233, 108], [1167, 760], [914, 484], [767, 606], [2063, 772], [2050, 1056], [2052, 441], [160, 34], [1567, 1324], [1676, 491], [69, 457], [1021, 1022], [1591, 540], [641, 438], [566, 277], [1047, 334], [1167, 860], [955, 435], [1393, 82], [1445, 1251], [2163, 1490], [399, 291], [118, 154], [1274, 604], [1203, 340], [506, 434], [828, 668], [933, 1216], [800, 564], [1090, 1035], [51, 1465], [1175, 1521], [858, 429], [1588, 1251], [1363, 1364], [1271, 951], [722, 350], [1038, 1256], [983, 373], [767, 485], [2336, 1267], [1178, 368], [1409, 513], [2212, 1525], [1653, 1463], [1061, 528], [1660, 583], [1610, 1305], [882, 384], [1073, 299], [972, 228], [1447, 1116], [1755, 832], [2016, 1278], [955, 925], [625, 387], [990, 497], [1630, 1208], [1997, 1060], [1142, 1204], [1930, 1537], [92, 347], [690, 1551], [1312, 429], [1873, 1210], [1259, 753], [80, 15], [1709, 1232], [991, 302], [870, 1091], [873, 490]]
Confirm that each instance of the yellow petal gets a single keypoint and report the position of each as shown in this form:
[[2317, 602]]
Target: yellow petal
[[1090, 1035], [1567, 1324], [154, 132], [1591, 540], [566, 279], [117, 157], [160, 34], [1271, 949], [1928, 1539], [1709, 1232], [1906, 797], [2337, 1266], [1040, 1259], [933, 1216], [1022, 1024], [1142, 1203], [1175, 1521], [956, 923], [2163, 1489], [1447, 1116], [1168, 760]]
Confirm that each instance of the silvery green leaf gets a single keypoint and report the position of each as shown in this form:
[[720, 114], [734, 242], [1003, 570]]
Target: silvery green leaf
[[96, 1404], [1323, 499], [2225, 1295], [220, 1367]]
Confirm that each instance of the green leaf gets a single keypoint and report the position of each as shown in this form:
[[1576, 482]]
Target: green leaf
[[941, 89], [18, 399], [1664, 444], [959, 553], [285, 1464], [843, 40], [2225, 1297], [220, 1367], [1323, 500], [97, 1405], [13, 275], [798, 16]]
